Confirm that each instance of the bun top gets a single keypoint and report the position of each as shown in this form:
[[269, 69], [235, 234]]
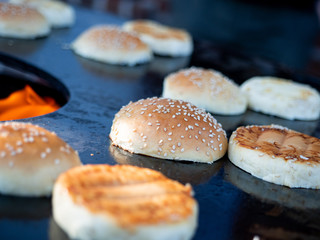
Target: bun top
[[108, 37], [169, 129], [206, 88], [29, 148], [22, 22]]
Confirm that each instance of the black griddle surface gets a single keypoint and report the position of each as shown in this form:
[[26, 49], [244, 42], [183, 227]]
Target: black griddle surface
[[233, 204]]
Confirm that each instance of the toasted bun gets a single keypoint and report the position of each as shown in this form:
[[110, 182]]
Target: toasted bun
[[282, 98], [19, 21], [162, 39], [278, 155], [169, 129], [123, 202], [110, 44], [58, 13], [207, 89], [31, 158]]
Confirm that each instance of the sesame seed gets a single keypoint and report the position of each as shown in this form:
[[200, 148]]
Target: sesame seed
[[43, 155], [196, 136], [207, 153], [186, 119], [165, 129], [199, 132], [149, 123], [173, 116], [160, 149], [173, 147], [165, 154], [197, 148], [178, 125], [196, 124], [169, 139], [170, 133], [161, 141], [179, 144], [44, 139], [203, 140], [182, 136], [182, 150], [57, 161], [172, 151]]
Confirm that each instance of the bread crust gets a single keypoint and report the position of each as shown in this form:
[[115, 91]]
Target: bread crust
[[169, 129], [18, 21], [206, 88], [109, 44], [282, 98], [31, 158], [125, 201], [162, 39], [277, 154]]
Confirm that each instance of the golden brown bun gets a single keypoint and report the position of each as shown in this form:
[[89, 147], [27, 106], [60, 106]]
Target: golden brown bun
[[58, 13], [163, 40], [169, 129], [18, 21], [109, 44], [31, 158], [277, 154], [123, 202], [206, 88]]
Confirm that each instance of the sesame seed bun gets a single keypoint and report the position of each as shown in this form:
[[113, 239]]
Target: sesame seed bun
[[282, 98], [19, 21], [58, 13], [278, 155], [163, 40], [206, 88], [123, 202], [169, 129], [31, 158], [111, 45]]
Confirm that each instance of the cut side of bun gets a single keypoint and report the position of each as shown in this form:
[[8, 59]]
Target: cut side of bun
[[282, 98], [278, 155], [19, 21], [31, 159], [169, 129], [110, 44], [206, 88], [123, 202], [162, 39]]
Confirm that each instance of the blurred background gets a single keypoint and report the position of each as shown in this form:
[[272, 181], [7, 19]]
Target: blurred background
[[283, 31]]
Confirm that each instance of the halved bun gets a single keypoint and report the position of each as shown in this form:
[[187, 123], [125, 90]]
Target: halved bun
[[18, 21], [282, 98], [169, 129], [205, 88], [123, 202], [163, 40], [58, 13], [31, 158], [277, 154], [109, 44]]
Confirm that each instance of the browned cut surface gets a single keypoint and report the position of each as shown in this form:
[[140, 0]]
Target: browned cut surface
[[132, 195], [158, 31], [280, 142]]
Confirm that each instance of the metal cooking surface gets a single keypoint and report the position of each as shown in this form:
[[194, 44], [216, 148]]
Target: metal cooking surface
[[233, 204]]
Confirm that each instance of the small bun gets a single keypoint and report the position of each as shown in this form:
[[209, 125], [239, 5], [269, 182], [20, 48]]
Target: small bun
[[110, 44], [123, 202], [205, 88], [58, 13], [31, 158], [169, 129], [282, 98], [278, 155], [162, 39], [18, 21]]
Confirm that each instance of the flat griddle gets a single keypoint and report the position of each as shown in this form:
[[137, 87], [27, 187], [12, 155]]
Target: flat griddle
[[233, 204]]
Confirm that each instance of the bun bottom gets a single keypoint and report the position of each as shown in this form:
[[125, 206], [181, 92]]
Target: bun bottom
[[79, 223]]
